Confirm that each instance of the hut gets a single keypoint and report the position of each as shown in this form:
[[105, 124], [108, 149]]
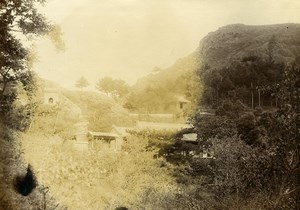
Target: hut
[[105, 141]]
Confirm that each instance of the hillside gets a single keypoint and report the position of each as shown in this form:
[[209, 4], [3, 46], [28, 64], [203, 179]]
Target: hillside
[[233, 42], [171, 75], [100, 110], [155, 93], [219, 49]]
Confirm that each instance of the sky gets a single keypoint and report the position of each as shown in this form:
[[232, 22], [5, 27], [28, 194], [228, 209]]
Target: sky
[[126, 39]]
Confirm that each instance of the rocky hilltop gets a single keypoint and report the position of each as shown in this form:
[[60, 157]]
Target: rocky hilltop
[[218, 49], [233, 42]]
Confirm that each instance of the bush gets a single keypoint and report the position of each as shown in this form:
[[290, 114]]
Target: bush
[[104, 180], [54, 120], [11, 166], [214, 127]]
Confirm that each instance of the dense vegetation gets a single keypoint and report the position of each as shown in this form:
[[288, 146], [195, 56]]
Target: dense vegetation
[[254, 134], [99, 110], [159, 91], [19, 22], [102, 179], [232, 54], [252, 81], [250, 77]]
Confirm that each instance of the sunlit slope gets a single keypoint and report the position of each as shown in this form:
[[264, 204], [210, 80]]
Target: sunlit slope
[[100, 111]]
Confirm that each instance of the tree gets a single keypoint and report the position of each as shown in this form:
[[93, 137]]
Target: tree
[[268, 155], [105, 85], [116, 87], [19, 19], [20, 22], [82, 83], [272, 44], [120, 88]]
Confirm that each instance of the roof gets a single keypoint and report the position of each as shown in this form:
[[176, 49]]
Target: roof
[[161, 126], [189, 137], [102, 134], [182, 99]]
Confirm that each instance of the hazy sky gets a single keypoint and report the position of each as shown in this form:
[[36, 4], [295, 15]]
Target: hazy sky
[[125, 39]]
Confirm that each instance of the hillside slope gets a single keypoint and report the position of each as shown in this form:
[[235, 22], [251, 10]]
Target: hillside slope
[[219, 49], [100, 110], [168, 76], [233, 42], [155, 92]]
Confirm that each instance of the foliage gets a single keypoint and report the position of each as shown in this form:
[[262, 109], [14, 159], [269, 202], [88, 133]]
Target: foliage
[[153, 134], [101, 111], [103, 179], [21, 102], [153, 99], [159, 141], [213, 126], [116, 87], [251, 81], [20, 21], [11, 166], [158, 91], [18, 17], [231, 109], [257, 152], [81, 83], [238, 168], [59, 120], [232, 42]]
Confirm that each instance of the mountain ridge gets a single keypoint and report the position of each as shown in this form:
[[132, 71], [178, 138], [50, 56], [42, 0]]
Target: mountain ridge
[[235, 41], [219, 49]]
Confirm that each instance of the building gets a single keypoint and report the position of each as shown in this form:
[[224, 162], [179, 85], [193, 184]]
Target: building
[[53, 96], [182, 103], [109, 141], [201, 151], [105, 141], [188, 146]]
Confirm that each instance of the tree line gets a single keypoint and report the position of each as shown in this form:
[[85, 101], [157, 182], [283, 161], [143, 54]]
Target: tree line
[[117, 88]]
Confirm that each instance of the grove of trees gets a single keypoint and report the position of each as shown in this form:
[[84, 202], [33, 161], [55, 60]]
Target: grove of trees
[[116, 87], [251, 80]]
